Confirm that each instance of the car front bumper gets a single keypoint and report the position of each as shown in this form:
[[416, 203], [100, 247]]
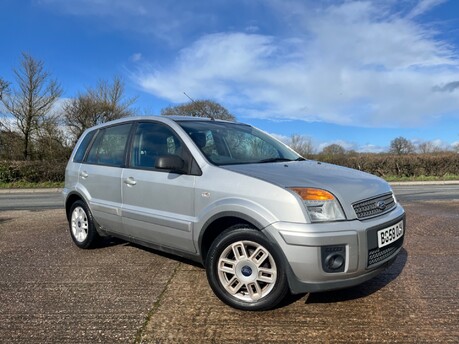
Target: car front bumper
[[303, 246]]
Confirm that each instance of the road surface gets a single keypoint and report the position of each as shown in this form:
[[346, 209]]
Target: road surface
[[27, 200]]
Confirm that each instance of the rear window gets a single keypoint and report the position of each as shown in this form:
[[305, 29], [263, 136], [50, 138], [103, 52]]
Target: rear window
[[109, 146]]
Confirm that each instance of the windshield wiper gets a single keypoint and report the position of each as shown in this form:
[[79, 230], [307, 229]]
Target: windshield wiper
[[279, 160], [273, 160]]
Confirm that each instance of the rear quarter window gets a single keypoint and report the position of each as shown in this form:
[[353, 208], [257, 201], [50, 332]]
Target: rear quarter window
[[82, 148]]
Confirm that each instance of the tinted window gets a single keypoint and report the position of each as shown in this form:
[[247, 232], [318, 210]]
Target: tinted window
[[109, 146], [150, 141], [79, 155]]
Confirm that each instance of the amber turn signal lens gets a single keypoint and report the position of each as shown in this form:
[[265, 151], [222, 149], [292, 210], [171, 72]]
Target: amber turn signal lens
[[308, 194]]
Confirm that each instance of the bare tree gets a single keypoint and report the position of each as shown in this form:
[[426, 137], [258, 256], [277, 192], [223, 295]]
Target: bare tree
[[199, 108], [333, 150], [428, 147], [400, 146], [105, 102], [302, 145], [51, 142], [4, 85], [10, 145], [31, 102]]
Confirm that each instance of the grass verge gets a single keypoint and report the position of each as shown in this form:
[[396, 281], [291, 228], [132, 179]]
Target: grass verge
[[28, 185], [446, 177]]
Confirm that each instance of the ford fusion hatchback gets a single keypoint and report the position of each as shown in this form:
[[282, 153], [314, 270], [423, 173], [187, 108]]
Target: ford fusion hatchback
[[261, 219]]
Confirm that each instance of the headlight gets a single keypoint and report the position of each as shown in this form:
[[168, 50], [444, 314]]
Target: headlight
[[321, 205], [393, 196]]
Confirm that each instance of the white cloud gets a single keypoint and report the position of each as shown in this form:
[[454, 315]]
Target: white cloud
[[319, 145], [361, 63], [58, 106], [345, 144], [136, 57], [169, 22], [7, 122], [355, 63], [283, 138], [422, 7], [353, 146], [369, 148]]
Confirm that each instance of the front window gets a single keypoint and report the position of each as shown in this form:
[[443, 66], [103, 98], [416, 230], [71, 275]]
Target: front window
[[152, 140], [231, 143]]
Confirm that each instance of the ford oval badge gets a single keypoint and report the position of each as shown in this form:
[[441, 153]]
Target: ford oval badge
[[381, 205]]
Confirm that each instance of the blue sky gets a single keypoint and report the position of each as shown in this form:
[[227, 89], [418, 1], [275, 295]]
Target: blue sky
[[356, 73]]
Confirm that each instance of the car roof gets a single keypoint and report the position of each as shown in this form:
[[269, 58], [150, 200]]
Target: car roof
[[163, 119]]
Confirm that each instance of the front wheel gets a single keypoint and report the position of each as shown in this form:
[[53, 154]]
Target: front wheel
[[245, 271], [82, 226]]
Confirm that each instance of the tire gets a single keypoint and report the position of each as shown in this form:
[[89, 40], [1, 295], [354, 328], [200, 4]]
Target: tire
[[82, 227], [245, 271]]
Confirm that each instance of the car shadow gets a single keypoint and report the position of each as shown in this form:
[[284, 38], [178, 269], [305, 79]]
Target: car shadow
[[110, 241], [166, 255], [352, 293], [365, 289]]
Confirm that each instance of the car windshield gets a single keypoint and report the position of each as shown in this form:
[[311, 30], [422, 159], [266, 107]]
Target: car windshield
[[226, 143]]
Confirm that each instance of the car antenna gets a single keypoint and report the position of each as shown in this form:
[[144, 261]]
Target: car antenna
[[208, 114]]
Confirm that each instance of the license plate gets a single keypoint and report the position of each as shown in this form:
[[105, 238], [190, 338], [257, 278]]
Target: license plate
[[388, 235]]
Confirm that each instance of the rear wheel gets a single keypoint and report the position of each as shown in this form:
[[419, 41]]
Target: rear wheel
[[82, 227], [245, 271]]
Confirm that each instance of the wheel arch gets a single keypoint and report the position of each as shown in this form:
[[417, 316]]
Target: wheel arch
[[219, 223], [72, 198]]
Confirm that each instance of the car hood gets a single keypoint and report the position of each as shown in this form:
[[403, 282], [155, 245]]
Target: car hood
[[347, 184]]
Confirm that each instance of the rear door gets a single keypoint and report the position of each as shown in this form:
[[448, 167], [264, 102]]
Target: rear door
[[158, 205], [100, 175]]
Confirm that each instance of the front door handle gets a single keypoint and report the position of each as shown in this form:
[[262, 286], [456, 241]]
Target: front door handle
[[130, 181]]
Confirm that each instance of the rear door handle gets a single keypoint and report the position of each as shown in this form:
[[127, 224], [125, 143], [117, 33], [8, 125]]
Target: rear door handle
[[84, 174], [130, 181]]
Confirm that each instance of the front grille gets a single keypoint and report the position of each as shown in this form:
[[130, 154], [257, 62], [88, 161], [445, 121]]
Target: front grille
[[379, 254], [374, 206]]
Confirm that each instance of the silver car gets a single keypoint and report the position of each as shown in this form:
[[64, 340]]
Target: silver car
[[261, 219]]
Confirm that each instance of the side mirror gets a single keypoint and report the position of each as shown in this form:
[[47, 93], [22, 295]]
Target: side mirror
[[174, 163]]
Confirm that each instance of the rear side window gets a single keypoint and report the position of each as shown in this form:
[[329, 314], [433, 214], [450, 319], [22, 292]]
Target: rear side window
[[79, 155], [109, 146]]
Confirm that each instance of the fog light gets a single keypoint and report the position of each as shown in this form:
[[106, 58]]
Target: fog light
[[334, 261], [333, 258]]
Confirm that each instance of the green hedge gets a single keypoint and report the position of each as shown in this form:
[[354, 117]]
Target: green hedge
[[32, 171]]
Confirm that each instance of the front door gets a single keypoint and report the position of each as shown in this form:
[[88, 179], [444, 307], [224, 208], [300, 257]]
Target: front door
[[158, 206]]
